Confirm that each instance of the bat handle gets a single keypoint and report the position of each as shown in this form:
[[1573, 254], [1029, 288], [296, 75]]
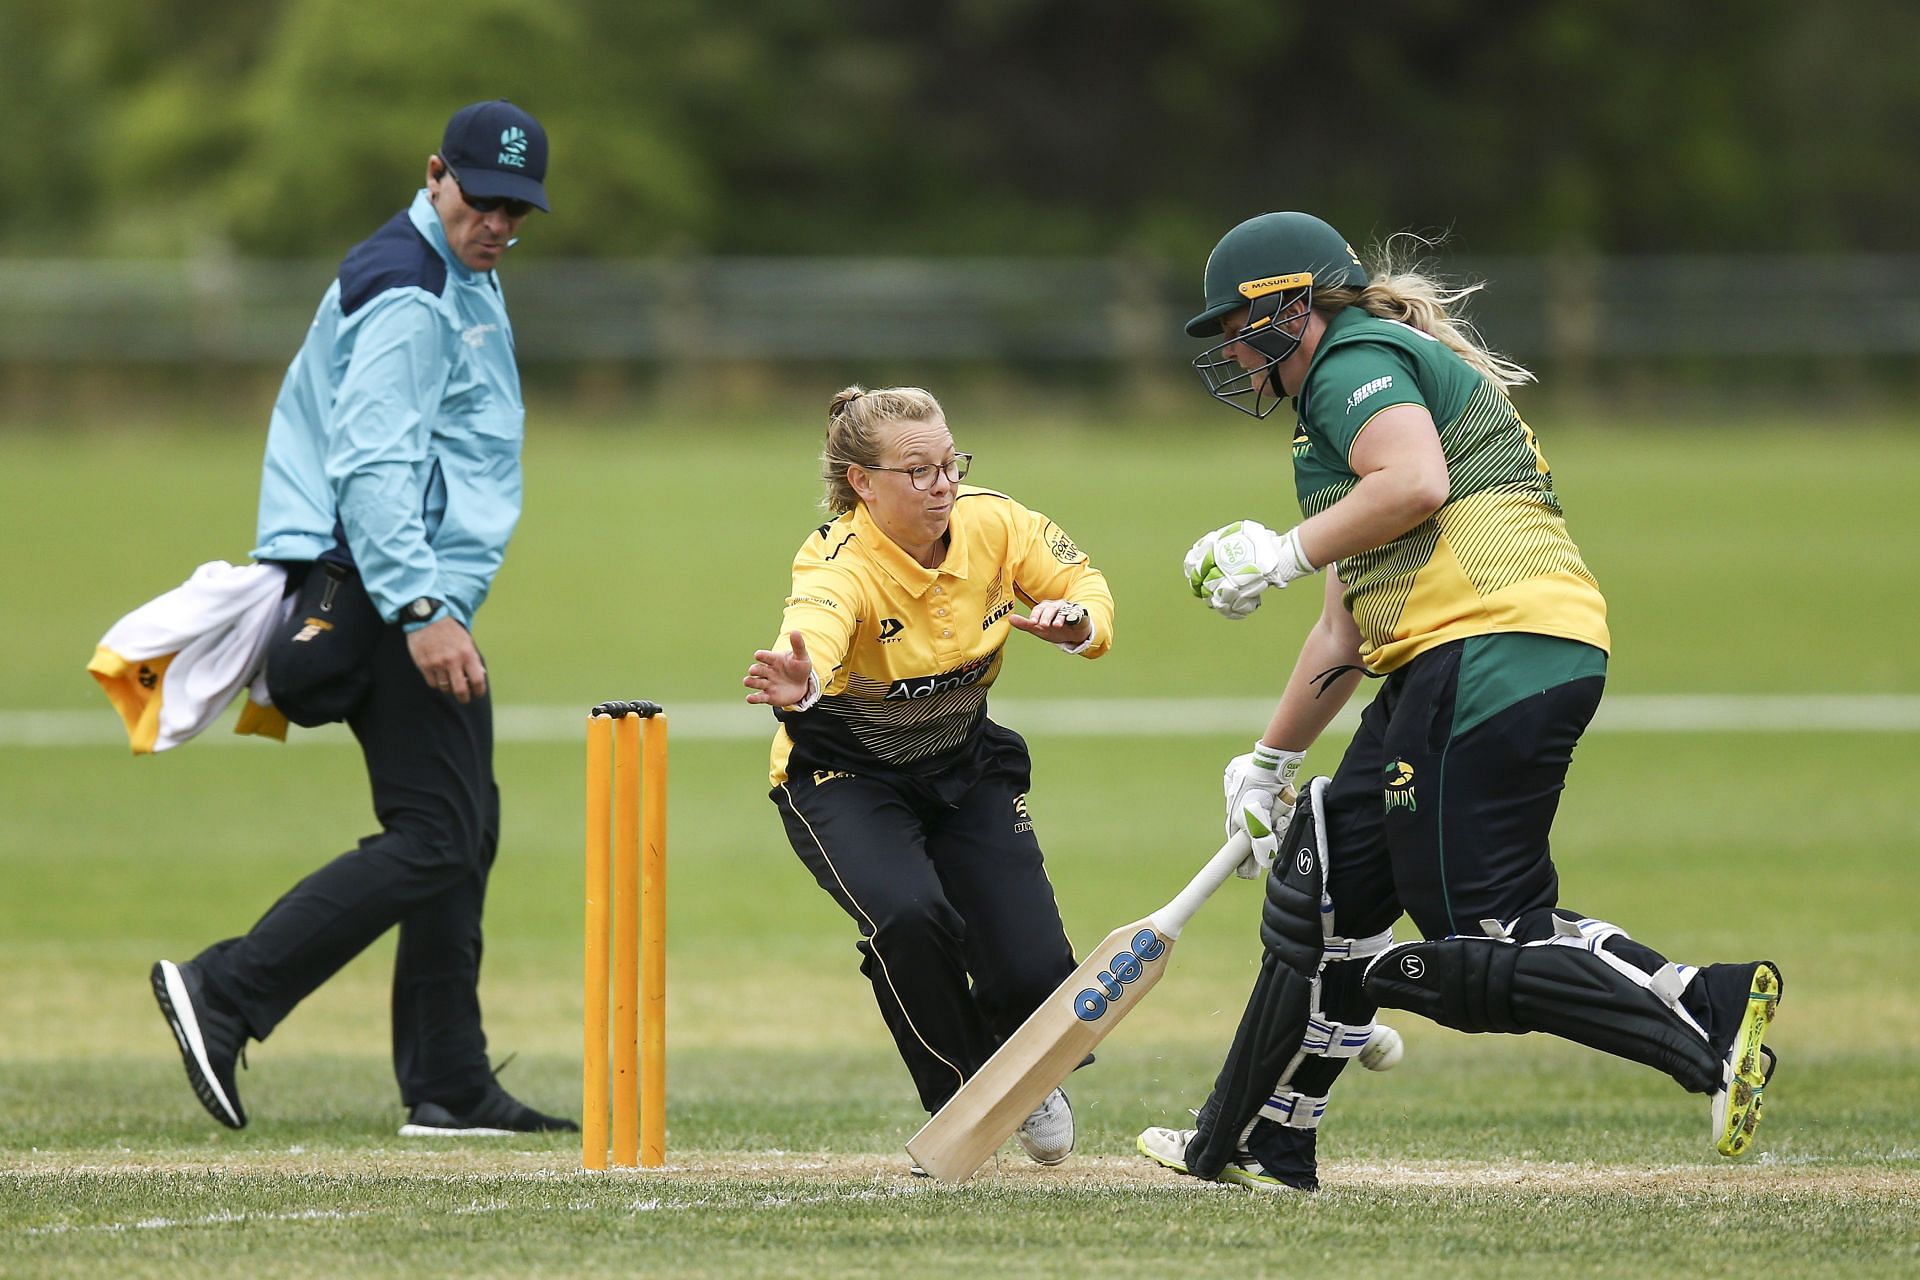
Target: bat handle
[[1169, 920]]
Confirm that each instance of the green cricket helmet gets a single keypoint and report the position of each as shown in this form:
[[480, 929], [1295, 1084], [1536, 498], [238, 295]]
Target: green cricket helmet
[[1269, 265]]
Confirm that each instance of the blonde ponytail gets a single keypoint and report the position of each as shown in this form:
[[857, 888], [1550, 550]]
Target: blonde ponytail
[[1399, 290]]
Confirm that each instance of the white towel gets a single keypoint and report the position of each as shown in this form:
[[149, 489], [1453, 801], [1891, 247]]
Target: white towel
[[171, 666]]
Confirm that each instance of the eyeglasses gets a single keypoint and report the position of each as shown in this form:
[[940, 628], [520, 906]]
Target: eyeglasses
[[921, 477], [487, 204]]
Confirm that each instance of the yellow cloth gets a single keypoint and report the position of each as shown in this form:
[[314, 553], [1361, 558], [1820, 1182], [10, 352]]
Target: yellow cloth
[[174, 664]]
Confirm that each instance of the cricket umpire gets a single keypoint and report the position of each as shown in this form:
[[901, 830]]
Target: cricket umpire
[[1451, 575], [390, 488], [908, 804]]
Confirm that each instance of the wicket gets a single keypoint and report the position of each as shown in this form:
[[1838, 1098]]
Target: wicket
[[626, 899]]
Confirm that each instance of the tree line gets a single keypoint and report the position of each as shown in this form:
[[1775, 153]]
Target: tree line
[[159, 128]]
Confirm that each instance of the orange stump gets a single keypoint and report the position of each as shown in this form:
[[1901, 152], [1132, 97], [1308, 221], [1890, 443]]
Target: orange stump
[[625, 930]]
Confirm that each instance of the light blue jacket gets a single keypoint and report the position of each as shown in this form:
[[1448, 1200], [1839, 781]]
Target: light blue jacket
[[398, 425]]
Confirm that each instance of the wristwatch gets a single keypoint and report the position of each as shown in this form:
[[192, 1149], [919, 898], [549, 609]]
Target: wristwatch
[[421, 610]]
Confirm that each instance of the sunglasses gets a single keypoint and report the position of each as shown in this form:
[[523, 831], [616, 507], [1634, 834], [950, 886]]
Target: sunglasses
[[487, 204]]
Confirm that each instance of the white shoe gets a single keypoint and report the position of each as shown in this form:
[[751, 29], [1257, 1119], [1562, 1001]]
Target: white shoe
[[1047, 1134], [1168, 1148]]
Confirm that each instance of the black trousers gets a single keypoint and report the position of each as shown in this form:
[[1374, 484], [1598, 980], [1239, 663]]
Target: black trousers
[[1452, 829], [430, 765], [959, 932]]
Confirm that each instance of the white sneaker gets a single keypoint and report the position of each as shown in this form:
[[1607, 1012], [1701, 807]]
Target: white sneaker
[[1047, 1134], [1168, 1148], [1165, 1147]]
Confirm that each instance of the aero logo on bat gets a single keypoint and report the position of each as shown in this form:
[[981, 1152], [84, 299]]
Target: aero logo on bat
[[1091, 1005]]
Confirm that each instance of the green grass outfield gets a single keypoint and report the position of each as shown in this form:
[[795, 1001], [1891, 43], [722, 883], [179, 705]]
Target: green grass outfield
[[652, 559]]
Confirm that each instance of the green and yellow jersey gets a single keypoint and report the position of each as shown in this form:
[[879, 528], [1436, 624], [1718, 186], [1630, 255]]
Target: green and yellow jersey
[[1496, 558], [905, 654]]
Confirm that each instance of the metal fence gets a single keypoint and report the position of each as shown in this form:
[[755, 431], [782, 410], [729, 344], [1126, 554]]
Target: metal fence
[[1039, 311]]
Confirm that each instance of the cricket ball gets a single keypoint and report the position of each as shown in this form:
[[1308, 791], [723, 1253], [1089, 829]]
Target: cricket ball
[[1383, 1049]]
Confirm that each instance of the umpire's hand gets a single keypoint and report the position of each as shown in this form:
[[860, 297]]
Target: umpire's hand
[[446, 657]]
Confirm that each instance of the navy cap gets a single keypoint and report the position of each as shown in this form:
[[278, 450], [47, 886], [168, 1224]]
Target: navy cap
[[497, 149]]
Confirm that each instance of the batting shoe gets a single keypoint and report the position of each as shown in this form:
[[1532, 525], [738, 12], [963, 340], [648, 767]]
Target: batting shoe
[[1047, 1134], [494, 1114], [1168, 1149], [211, 1039], [1748, 1064]]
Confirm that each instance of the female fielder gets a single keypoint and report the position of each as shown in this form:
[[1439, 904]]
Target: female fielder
[[1450, 573], [907, 804]]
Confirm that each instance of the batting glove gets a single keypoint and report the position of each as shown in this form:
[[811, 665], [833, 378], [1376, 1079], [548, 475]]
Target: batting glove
[[1233, 565], [1260, 800]]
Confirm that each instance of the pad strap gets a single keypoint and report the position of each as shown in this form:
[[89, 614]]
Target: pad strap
[[1335, 1039], [1295, 1110], [1338, 949]]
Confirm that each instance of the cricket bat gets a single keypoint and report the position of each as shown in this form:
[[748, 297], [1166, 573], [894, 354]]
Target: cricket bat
[[1079, 1014]]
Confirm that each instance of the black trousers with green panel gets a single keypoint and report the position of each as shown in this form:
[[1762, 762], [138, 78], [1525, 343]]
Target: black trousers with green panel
[[1442, 808]]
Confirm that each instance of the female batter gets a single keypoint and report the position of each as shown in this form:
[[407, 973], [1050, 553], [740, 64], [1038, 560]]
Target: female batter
[[1450, 573]]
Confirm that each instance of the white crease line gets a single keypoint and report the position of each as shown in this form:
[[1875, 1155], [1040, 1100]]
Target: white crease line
[[208, 1220], [1081, 717]]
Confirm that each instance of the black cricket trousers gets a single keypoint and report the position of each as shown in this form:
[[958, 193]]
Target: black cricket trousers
[[960, 935], [430, 766]]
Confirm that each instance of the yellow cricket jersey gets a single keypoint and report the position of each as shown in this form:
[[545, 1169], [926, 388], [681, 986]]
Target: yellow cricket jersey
[[905, 654]]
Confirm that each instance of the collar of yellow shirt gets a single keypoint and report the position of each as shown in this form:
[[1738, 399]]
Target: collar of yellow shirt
[[903, 568]]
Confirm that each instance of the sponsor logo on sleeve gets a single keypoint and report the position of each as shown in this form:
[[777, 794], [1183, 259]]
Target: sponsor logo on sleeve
[[1061, 545], [1366, 389]]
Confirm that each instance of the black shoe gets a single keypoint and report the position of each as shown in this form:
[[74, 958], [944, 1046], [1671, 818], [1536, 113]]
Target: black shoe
[[496, 1114], [211, 1040]]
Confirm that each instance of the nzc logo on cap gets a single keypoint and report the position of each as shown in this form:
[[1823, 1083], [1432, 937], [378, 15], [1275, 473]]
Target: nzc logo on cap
[[513, 147]]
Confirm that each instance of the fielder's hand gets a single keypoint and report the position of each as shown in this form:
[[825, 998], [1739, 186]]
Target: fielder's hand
[[1260, 800], [1233, 565], [784, 680], [1060, 622]]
